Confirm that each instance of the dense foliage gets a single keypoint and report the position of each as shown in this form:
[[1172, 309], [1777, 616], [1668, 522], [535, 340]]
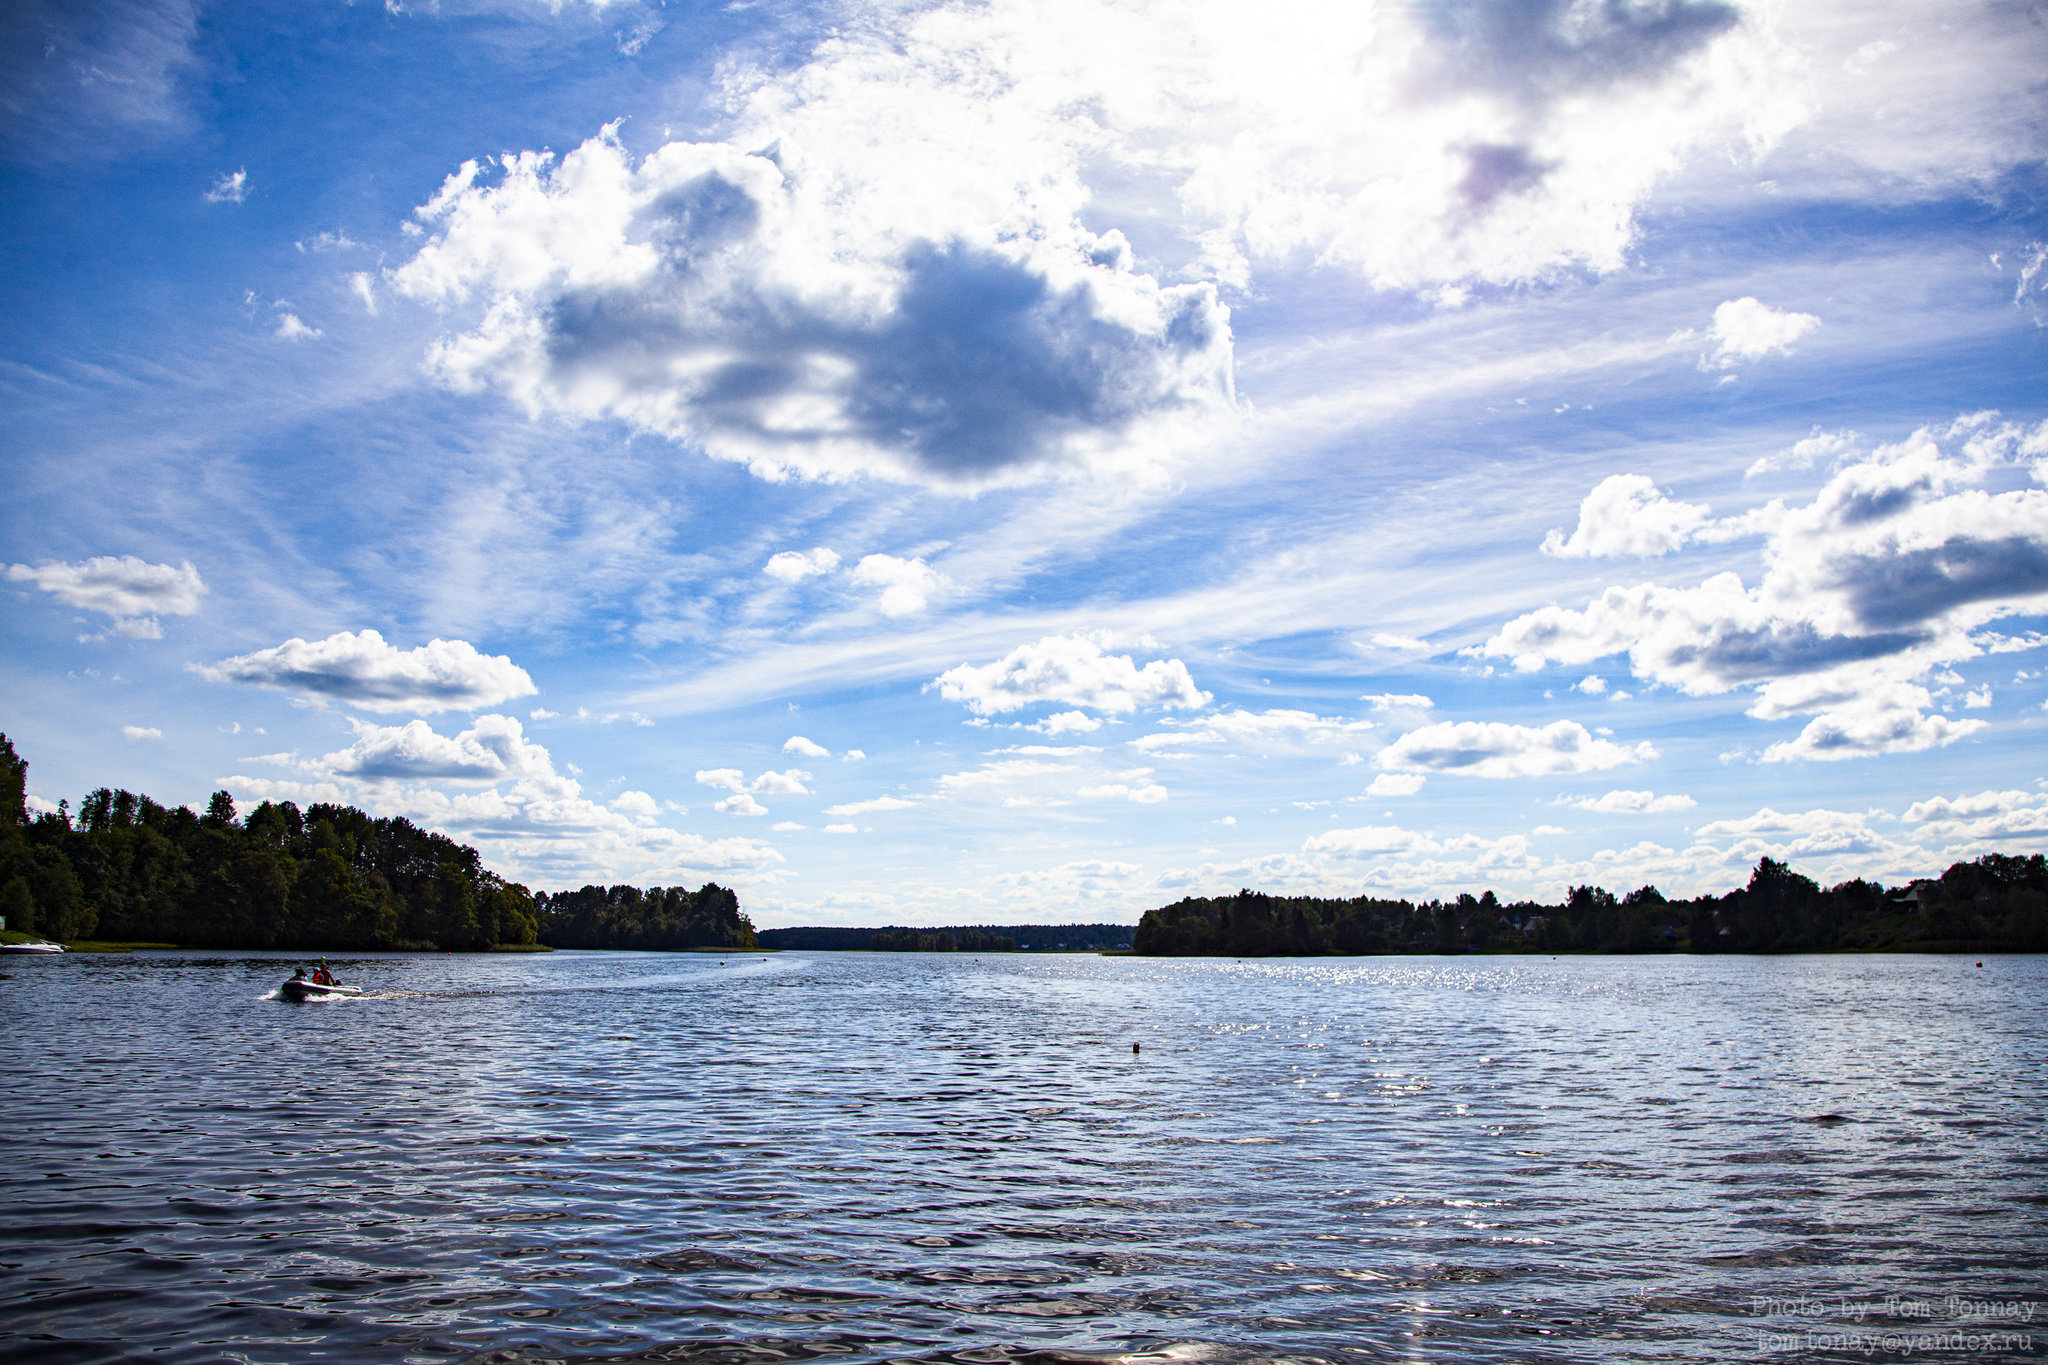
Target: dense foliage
[[1997, 903], [130, 869], [986, 938], [658, 919]]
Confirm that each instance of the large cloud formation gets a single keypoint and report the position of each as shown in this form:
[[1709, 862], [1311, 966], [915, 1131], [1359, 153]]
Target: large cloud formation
[[1494, 749], [1072, 670], [1866, 591], [883, 267], [363, 670]]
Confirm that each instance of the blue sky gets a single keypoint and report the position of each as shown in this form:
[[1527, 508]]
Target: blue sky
[[1025, 462]]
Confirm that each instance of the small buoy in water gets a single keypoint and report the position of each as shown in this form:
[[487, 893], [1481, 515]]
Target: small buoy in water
[[1134, 1049], [1980, 964]]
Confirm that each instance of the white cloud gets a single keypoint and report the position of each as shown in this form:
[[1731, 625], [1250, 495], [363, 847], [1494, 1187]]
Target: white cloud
[[1070, 669], [1066, 722], [1805, 453], [1398, 701], [362, 670], [1978, 700], [542, 713], [852, 756], [1368, 840], [866, 807], [290, 328], [363, 285], [1983, 818], [731, 779], [638, 805], [793, 567], [495, 748], [1144, 793], [1633, 803], [1387, 641], [1278, 727], [1396, 784], [1549, 829], [797, 744], [1592, 685], [142, 732], [1625, 514], [786, 826], [742, 804], [232, 188], [132, 590], [906, 584], [789, 782], [1745, 329], [1495, 749], [842, 829], [1007, 770], [802, 308], [1882, 578]]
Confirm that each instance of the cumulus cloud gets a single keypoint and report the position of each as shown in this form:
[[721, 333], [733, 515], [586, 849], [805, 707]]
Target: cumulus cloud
[[132, 590], [1069, 669], [741, 804], [494, 749], [1496, 749], [142, 732], [1396, 784], [362, 670], [639, 805], [807, 296], [842, 829], [1881, 579], [1745, 329], [1066, 723], [1633, 803], [1625, 514], [1983, 819], [801, 309], [788, 782], [1401, 701], [793, 567], [906, 584], [797, 744]]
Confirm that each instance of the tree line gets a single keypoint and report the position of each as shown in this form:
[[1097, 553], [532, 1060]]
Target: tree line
[[128, 868], [1997, 903], [983, 938], [658, 919]]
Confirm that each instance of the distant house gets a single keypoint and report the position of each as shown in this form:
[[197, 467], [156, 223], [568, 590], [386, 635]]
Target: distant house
[[1908, 901]]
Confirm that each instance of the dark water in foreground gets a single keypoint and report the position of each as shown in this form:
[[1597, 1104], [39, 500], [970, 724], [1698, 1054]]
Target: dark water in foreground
[[626, 1157]]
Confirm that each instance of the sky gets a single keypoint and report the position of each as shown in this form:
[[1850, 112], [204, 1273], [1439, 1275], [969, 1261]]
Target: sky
[[1004, 462]]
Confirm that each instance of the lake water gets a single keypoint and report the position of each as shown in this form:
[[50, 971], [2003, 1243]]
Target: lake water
[[864, 1157]]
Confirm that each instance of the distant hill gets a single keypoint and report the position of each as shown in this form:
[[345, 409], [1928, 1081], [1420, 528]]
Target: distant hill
[[973, 938]]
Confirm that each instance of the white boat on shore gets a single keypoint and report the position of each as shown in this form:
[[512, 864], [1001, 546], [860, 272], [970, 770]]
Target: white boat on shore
[[37, 949]]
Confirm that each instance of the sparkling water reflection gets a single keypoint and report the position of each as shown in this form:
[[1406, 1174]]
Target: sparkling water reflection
[[627, 1157]]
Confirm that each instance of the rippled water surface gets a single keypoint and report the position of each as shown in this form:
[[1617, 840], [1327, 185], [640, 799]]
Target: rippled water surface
[[626, 1157]]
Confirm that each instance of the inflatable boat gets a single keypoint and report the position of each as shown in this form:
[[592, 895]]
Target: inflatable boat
[[298, 988]]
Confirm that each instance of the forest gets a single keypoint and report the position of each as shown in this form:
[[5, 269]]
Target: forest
[[983, 938], [655, 920], [129, 869], [1998, 903]]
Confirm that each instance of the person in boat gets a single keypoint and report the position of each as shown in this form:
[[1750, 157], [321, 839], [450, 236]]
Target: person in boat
[[299, 974], [321, 976]]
